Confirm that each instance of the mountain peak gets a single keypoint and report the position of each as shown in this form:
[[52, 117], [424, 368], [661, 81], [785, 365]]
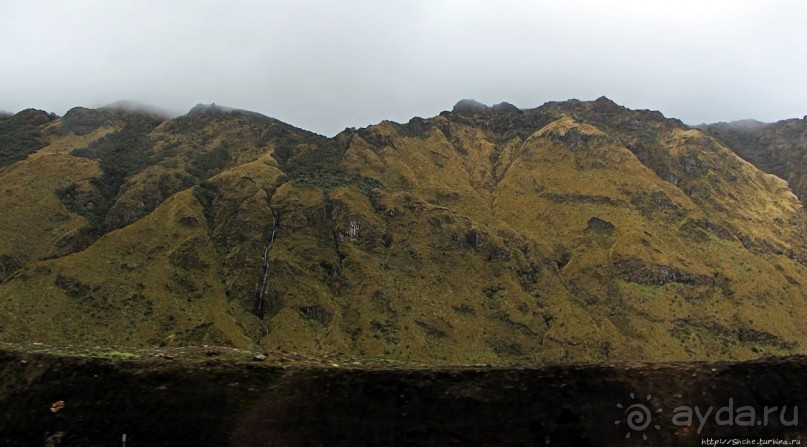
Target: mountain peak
[[506, 107], [211, 108], [214, 109], [469, 106], [33, 117], [604, 104], [82, 120], [473, 106], [131, 106]]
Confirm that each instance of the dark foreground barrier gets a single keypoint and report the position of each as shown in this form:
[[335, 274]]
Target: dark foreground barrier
[[48, 400]]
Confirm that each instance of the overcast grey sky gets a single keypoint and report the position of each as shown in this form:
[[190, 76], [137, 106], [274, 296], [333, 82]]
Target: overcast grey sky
[[327, 65]]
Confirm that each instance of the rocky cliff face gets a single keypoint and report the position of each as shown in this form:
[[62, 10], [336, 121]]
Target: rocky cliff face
[[577, 231]]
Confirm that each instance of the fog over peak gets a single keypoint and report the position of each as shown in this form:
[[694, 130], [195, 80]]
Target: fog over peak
[[325, 66], [130, 105]]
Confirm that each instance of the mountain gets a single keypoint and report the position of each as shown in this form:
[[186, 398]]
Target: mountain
[[575, 231], [778, 148]]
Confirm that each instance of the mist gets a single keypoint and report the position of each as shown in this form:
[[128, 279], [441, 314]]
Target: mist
[[324, 66]]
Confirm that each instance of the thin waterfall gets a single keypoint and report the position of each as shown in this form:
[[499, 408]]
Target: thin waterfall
[[259, 305]]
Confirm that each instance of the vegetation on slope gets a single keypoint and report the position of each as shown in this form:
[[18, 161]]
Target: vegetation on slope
[[778, 148], [20, 135], [574, 231]]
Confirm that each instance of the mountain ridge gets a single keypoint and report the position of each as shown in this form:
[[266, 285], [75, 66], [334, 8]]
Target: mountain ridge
[[575, 231]]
